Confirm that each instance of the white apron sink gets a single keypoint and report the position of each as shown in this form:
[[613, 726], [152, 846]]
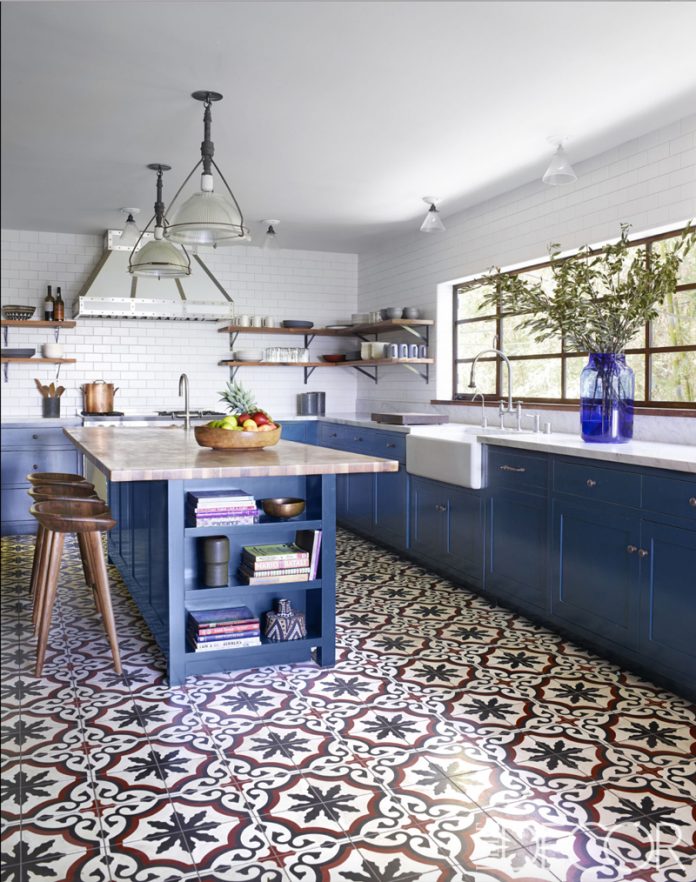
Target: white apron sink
[[454, 458]]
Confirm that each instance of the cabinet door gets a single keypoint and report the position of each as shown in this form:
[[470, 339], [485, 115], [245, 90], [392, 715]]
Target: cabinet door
[[516, 549], [341, 498], [668, 596], [360, 502], [294, 431], [465, 535], [595, 569], [429, 519], [391, 508]]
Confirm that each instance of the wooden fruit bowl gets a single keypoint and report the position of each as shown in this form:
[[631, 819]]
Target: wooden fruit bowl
[[226, 439]]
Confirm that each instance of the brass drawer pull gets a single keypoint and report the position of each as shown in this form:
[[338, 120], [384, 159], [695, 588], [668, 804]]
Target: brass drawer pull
[[439, 507], [642, 552], [507, 468], [631, 549], [692, 501], [591, 483]]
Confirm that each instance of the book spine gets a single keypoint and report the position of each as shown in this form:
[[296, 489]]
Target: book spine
[[226, 629], [224, 510], [277, 560], [231, 615], [272, 580], [223, 638], [226, 644], [284, 571], [227, 521]]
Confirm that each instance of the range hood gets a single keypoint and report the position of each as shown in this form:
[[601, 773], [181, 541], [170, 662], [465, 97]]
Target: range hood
[[112, 292]]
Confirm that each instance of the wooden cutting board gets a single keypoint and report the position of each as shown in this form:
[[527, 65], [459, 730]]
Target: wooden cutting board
[[410, 419]]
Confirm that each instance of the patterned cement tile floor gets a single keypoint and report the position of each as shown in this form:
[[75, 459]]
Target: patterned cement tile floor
[[453, 740]]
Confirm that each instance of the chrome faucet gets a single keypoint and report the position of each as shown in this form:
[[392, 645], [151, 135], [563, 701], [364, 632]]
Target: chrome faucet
[[502, 407], [484, 421], [184, 384]]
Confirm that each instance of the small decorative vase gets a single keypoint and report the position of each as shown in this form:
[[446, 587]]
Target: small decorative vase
[[285, 623], [606, 399]]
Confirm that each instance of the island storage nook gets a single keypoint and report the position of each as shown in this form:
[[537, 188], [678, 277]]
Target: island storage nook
[[159, 555]]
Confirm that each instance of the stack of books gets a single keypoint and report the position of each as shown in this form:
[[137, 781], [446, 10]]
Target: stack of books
[[208, 629], [270, 564], [215, 508]]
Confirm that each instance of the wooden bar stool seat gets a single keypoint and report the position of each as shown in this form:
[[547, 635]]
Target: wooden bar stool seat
[[55, 478], [43, 492], [87, 518]]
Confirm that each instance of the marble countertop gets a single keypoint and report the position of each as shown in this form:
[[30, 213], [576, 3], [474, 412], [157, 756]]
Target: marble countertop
[[162, 454], [38, 422]]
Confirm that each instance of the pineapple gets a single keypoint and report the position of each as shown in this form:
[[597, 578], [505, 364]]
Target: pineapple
[[238, 399]]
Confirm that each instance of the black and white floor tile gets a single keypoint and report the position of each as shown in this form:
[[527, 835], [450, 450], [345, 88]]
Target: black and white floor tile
[[454, 741]]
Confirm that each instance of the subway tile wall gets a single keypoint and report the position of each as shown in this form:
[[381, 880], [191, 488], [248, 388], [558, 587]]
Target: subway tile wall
[[647, 182], [145, 358]]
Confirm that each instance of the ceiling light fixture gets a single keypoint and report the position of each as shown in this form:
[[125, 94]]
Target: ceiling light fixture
[[270, 240], [560, 171], [207, 218], [432, 223], [158, 257], [130, 232]]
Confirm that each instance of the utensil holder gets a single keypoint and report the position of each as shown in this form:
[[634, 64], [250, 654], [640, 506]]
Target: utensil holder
[[50, 407]]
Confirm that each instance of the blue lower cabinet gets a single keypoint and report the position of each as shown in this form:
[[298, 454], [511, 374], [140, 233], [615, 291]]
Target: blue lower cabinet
[[295, 430], [516, 549], [667, 632], [360, 502], [342, 498], [446, 529], [391, 508], [594, 570]]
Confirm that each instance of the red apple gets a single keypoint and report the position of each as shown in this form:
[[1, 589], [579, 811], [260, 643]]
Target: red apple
[[260, 418], [242, 418]]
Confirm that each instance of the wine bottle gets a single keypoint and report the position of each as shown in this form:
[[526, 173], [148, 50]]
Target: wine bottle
[[48, 306], [58, 307]]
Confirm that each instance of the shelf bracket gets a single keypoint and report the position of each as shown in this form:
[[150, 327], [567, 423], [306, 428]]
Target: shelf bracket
[[5, 372], [56, 334], [308, 339], [308, 371], [424, 376], [233, 372], [367, 373], [58, 367], [5, 332], [233, 339], [415, 332]]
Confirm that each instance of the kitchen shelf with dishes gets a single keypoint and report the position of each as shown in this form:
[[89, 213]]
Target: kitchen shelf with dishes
[[6, 359], [419, 328]]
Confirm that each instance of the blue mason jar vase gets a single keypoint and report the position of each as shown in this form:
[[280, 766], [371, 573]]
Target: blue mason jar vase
[[606, 399]]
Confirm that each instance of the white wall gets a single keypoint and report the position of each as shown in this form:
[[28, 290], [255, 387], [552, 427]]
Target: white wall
[[648, 182], [145, 358]]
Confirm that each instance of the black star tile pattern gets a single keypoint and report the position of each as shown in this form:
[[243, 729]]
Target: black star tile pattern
[[453, 740]]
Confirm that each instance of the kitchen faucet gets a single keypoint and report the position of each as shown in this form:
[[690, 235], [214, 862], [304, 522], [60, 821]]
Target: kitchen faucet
[[184, 383], [502, 407], [484, 421]]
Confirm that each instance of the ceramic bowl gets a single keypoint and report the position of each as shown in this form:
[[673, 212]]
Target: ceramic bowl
[[392, 312], [248, 355], [18, 313], [334, 357], [283, 507], [52, 350], [412, 312], [228, 439]]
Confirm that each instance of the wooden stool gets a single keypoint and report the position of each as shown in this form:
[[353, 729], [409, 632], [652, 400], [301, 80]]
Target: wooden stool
[[81, 516], [55, 478], [42, 493]]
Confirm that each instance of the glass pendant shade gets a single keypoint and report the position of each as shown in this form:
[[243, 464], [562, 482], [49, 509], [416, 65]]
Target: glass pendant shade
[[270, 240], [161, 259], [207, 218], [130, 232], [432, 222], [560, 171]]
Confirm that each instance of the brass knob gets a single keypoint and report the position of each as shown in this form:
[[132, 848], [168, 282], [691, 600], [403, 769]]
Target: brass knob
[[642, 552], [631, 549], [591, 483], [35, 468], [692, 501]]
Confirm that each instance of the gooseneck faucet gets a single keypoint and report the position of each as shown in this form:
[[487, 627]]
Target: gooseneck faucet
[[184, 385], [479, 394], [472, 382]]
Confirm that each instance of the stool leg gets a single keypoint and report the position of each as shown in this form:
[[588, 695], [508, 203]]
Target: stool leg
[[50, 590], [88, 567], [35, 562], [41, 577], [102, 585]]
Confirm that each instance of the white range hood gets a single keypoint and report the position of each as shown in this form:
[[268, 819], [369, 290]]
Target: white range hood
[[112, 292]]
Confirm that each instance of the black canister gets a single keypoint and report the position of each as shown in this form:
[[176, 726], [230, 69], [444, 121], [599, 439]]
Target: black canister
[[216, 556], [50, 407], [311, 404]]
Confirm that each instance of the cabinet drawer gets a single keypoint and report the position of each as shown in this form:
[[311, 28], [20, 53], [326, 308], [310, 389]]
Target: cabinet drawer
[[50, 436], [512, 470], [333, 435], [15, 504], [390, 445], [17, 464], [673, 496], [593, 482]]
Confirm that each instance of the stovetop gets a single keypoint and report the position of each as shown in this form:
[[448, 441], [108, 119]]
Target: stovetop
[[106, 413], [193, 412]]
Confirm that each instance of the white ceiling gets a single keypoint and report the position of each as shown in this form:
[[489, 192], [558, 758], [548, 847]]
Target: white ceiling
[[337, 117]]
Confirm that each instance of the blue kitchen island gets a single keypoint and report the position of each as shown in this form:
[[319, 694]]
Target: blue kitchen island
[[158, 552]]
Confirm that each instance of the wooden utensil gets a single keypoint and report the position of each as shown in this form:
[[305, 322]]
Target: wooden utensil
[[52, 390], [42, 389], [59, 391]]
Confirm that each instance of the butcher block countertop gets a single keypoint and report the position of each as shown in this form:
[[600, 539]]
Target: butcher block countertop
[[172, 454]]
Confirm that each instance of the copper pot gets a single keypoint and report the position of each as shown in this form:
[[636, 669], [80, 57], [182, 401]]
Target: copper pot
[[99, 396]]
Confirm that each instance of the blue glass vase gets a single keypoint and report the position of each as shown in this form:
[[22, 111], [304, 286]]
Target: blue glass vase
[[606, 399]]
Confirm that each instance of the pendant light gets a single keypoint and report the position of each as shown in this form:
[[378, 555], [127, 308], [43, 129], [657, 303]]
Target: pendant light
[[159, 258], [270, 240], [130, 232], [207, 217], [432, 223], [560, 171]]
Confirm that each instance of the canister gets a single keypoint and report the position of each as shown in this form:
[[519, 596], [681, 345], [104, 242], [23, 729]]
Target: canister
[[311, 404]]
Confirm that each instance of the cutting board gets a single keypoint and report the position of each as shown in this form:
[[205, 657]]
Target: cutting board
[[410, 419]]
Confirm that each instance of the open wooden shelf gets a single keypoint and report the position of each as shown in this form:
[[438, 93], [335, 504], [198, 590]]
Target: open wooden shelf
[[350, 331], [33, 360], [34, 323], [368, 362]]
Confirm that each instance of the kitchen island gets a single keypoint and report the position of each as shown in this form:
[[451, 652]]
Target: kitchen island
[[157, 548]]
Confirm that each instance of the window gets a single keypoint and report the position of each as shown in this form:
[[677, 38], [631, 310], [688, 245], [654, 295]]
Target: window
[[662, 355]]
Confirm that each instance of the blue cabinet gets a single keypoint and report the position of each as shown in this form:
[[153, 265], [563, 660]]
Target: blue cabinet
[[595, 565], [392, 508], [299, 430], [28, 449], [446, 529]]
